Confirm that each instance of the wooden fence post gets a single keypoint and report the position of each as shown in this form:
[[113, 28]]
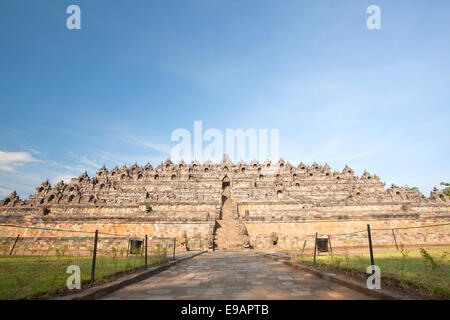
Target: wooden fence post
[[315, 247], [146, 241], [329, 242], [370, 245], [14, 245], [174, 245], [94, 257], [303, 250], [393, 233]]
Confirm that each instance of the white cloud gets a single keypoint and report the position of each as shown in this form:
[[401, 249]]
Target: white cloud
[[114, 159], [67, 178], [10, 160], [145, 142], [92, 164]]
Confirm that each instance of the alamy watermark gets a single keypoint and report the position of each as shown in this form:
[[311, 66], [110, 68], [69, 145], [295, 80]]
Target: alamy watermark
[[374, 281], [374, 20], [74, 280], [248, 145], [74, 20]]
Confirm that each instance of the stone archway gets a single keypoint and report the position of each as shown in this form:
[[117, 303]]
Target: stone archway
[[225, 190], [279, 195]]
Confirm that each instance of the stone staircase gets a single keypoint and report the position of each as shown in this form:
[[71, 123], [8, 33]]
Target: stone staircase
[[227, 235]]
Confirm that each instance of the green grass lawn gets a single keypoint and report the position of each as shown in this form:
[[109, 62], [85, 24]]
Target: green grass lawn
[[430, 275], [23, 277]]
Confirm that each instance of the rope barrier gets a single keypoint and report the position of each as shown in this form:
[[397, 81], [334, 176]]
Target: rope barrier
[[48, 229], [417, 227], [131, 237], [388, 229], [135, 237]]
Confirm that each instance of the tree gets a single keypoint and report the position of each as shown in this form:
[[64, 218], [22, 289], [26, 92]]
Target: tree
[[446, 190], [411, 188]]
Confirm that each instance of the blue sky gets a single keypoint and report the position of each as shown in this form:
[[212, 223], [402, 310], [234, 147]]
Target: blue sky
[[114, 91]]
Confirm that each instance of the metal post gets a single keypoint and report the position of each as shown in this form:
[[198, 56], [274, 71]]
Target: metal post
[[146, 240], [174, 245], [94, 257], [14, 245], [370, 245], [393, 233], [315, 247], [303, 250], [329, 242]]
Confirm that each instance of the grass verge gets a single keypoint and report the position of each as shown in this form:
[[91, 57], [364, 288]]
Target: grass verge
[[428, 272], [28, 277]]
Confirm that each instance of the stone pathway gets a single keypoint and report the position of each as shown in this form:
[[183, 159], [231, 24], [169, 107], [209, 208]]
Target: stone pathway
[[234, 275]]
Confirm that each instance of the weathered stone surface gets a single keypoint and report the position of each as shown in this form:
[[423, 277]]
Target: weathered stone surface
[[215, 203], [234, 275]]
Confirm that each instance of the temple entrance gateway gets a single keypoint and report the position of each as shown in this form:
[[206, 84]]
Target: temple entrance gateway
[[227, 228], [225, 191]]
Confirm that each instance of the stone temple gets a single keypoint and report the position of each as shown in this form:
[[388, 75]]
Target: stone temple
[[228, 205]]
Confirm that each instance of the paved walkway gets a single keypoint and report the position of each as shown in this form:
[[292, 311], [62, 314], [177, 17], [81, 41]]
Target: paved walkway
[[234, 275]]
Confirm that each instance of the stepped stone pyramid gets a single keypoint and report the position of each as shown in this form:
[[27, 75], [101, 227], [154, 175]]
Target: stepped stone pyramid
[[227, 205]]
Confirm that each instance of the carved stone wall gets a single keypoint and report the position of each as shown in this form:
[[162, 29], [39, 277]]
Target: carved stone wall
[[173, 199]]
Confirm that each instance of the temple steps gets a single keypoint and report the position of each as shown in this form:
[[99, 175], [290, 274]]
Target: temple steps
[[227, 235]]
